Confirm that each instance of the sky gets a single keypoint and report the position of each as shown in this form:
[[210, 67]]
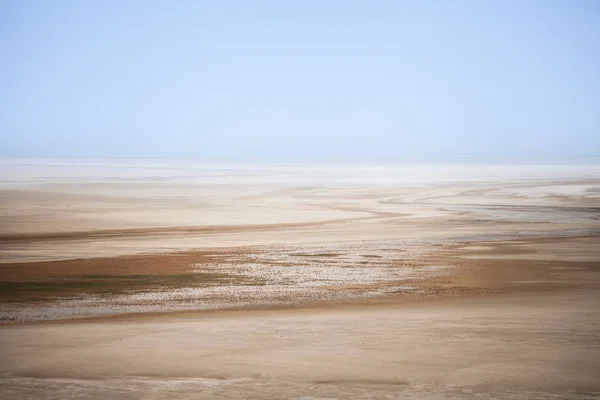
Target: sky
[[311, 79]]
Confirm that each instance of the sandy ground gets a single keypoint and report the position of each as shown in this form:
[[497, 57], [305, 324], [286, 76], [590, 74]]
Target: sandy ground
[[223, 282], [54, 223], [273, 277], [522, 346]]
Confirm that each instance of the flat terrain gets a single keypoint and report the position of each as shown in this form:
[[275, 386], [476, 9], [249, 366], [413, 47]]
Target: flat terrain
[[522, 346], [145, 281]]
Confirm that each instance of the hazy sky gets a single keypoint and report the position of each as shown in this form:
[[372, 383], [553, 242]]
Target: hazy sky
[[299, 79]]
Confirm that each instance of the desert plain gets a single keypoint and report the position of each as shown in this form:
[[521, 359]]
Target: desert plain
[[146, 279]]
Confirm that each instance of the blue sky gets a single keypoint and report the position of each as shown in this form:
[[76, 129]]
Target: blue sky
[[299, 79]]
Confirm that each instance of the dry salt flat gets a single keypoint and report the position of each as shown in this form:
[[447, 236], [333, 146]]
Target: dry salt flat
[[274, 276], [340, 281]]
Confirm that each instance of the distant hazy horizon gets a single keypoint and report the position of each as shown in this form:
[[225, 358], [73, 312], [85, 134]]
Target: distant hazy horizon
[[23, 172], [412, 159]]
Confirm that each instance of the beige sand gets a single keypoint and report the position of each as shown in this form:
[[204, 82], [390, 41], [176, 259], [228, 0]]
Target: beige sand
[[486, 288], [529, 346], [61, 220]]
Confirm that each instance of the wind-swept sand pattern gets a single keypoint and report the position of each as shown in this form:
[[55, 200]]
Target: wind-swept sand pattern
[[133, 280]]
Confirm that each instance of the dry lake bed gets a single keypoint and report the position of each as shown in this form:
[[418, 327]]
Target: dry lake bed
[[132, 279]]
